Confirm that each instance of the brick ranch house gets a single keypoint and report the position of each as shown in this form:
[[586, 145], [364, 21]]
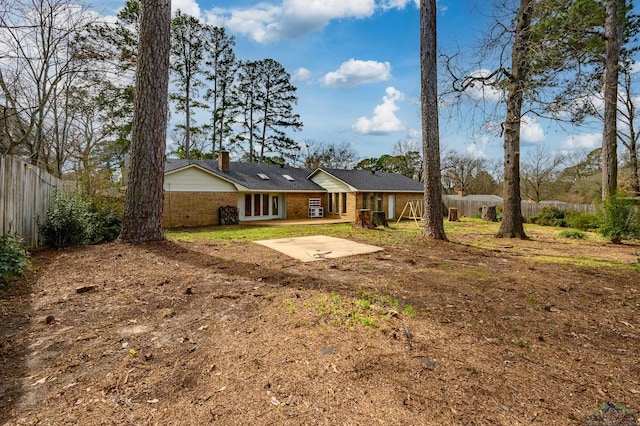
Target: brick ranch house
[[195, 190]]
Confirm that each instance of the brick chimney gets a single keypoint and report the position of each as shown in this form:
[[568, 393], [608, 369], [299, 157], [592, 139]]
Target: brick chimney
[[223, 161]]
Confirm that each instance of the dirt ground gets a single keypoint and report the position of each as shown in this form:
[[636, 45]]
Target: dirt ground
[[230, 333]]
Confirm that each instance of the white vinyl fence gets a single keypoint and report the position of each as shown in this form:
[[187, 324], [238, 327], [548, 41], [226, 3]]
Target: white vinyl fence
[[25, 193]]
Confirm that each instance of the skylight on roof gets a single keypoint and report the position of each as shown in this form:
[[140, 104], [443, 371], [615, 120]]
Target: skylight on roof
[[287, 177], [263, 176]]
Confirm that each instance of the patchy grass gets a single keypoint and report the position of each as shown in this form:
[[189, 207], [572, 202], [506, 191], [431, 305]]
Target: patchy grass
[[255, 233], [224, 331], [573, 234], [543, 244]]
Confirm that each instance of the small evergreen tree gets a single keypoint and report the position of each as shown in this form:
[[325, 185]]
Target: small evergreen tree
[[619, 219]]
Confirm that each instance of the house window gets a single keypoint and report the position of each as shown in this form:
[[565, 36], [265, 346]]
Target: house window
[[379, 201], [336, 198], [364, 200], [344, 203], [256, 204], [330, 202], [247, 205]]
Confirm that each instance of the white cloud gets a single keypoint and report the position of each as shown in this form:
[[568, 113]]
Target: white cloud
[[475, 150], [384, 118], [531, 131], [478, 148], [301, 74], [395, 4], [400, 4], [319, 12], [414, 136], [290, 19], [355, 72], [259, 23], [583, 141], [187, 7]]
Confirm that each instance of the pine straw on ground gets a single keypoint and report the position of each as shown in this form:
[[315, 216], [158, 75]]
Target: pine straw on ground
[[230, 333]]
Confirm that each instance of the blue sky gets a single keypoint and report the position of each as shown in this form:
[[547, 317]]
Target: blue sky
[[356, 66]]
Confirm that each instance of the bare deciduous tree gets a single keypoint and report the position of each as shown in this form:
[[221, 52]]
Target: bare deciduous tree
[[539, 168], [460, 171], [40, 42], [629, 138], [332, 155]]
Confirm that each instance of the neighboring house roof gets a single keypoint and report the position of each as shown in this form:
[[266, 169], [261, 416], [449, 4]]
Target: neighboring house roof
[[362, 180], [247, 175], [486, 198]]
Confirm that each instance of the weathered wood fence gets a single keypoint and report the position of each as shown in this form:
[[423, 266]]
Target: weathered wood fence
[[472, 208], [25, 193], [532, 209]]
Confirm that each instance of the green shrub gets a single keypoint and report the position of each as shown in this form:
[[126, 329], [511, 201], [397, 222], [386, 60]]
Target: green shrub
[[573, 234], [72, 220], [14, 258], [619, 219], [68, 221], [550, 216], [107, 214], [582, 221]]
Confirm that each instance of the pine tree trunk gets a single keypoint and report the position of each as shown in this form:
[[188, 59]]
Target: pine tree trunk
[[610, 134], [433, 218], [511, 225], [144, 199]]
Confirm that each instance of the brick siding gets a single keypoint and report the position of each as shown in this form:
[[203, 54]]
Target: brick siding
[[195, 208], [298, 204]]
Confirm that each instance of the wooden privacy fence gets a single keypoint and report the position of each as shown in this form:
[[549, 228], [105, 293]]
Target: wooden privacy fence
[[472, 208], [25, 193], [532, 209]]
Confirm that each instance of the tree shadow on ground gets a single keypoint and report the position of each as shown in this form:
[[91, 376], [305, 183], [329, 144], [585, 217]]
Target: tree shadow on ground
[[16, 317]]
